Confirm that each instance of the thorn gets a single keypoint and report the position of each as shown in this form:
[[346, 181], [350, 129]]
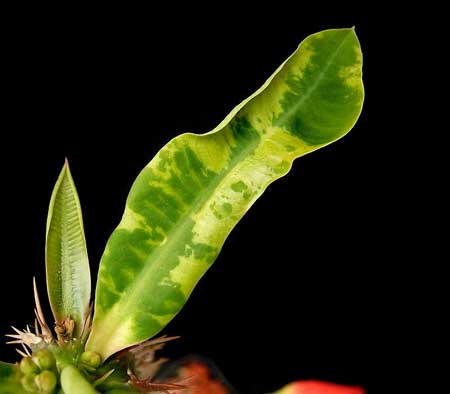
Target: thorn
[[16, 330], [87, 323], [38, 317], [21, 353], [46, 332], [164, 339], [26, 350], [41, 323], [36, 327], [13, 336], [153, 343], [24, 337], [37, 301]]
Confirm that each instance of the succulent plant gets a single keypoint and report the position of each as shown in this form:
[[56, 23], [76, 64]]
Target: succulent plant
[[178, 214]]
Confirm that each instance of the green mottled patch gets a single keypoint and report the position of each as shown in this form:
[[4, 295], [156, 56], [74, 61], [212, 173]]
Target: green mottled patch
[[290, 148], [215, 211], [282, 167], [239, 187], [247, 195], [227, 207], [186, 201]]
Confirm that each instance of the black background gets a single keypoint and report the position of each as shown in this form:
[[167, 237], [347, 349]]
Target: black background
[[292, 294]]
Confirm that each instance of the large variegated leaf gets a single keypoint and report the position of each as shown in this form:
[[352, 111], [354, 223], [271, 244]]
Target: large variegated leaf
[[68, 275], [10, 379], [186, 201]]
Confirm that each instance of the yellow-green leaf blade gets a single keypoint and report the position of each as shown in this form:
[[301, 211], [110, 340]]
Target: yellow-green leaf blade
[[186, 201], [67, 264]]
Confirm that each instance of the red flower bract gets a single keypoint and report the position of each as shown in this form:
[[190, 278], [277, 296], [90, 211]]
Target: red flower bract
[[317, 387]]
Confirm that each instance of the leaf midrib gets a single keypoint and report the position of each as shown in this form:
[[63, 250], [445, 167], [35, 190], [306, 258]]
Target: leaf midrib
[[67, 253], [156, 259], [288, 114]]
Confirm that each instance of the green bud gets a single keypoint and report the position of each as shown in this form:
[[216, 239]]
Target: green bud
[[28, 383], [92, 359], [46, 382], [44, 359], [27, 366]]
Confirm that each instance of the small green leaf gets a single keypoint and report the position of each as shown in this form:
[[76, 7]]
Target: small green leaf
[[184, 204], [68, 275], [10, 379]]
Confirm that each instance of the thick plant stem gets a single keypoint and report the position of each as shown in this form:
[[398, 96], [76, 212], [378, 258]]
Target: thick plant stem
[[73, 382]]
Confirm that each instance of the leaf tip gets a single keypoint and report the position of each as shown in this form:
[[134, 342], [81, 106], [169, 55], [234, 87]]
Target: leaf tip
[[65, 172]]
